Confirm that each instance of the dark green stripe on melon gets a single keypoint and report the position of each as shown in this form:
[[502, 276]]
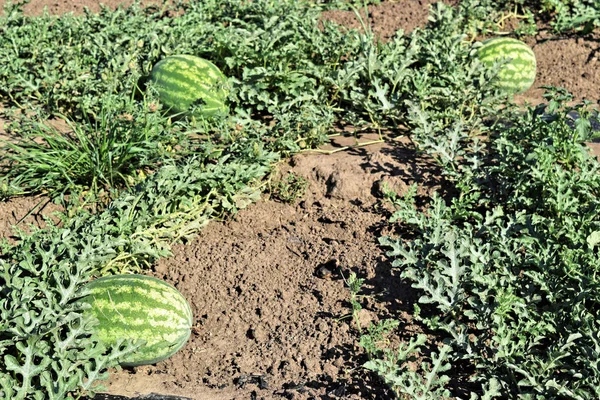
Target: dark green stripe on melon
[[184, 81], [140, 307], [518, 74]]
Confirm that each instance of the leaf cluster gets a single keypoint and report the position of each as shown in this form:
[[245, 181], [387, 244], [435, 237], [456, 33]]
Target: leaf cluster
[[115, 148], [289, 188], [563, 16], [47, 345], [508, 266], [345, 4], [567, 15], [294, 78]]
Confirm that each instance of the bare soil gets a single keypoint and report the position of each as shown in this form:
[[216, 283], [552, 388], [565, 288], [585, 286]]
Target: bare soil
[[269, 323]]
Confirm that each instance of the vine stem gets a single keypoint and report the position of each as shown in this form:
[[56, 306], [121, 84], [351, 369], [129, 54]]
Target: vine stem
[[345, 147]]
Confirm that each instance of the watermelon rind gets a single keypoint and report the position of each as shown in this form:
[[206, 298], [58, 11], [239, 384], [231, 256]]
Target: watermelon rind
[[190, 85], [518, 74], [139, 307]]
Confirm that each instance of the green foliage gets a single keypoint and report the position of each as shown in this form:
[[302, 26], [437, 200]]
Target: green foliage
[[398, 367], [293, 83], [427, 383], [290, 188], [510, 258], [41, 329], [354, 284], [487, 16], [345, 4], [295, 68], [579, 15], [103, 53], [431, 72], [276, 58], [289, 88], [112, 149], [507, 266], [45, 343]]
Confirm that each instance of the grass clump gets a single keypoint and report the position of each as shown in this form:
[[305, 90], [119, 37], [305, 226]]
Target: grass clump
[[114, 149]]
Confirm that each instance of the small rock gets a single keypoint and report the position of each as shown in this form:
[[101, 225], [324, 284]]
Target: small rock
[[366, 317], [327, 270], [330, 370], [322, 326]]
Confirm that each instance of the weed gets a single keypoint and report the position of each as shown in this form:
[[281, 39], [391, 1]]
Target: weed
[[111, 150], [354, 284], [290, 188]]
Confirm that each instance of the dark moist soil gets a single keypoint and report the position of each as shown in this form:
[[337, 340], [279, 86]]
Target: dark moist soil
[[272, 311]]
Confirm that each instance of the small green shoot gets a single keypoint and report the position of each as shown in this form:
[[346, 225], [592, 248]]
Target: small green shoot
[[354, 285], [290, 189]]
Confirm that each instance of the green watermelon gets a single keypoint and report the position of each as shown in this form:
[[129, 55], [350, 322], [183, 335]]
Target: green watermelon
[[140, 307], [184, 81], [519, 73]]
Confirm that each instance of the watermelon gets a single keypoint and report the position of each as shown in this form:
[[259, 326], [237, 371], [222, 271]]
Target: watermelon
[[139, 307], [519, 73], [185, 81]]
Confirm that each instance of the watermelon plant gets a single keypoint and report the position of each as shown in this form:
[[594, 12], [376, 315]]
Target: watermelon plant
[[506, 266], [304, 77], [139, 307], [188, 84], [518, 73], [490, 16], [41, 274]]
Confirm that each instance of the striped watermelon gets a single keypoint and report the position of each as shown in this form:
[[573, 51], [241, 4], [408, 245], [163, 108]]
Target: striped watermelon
[[184, 81], [519, 74], [140, 307]]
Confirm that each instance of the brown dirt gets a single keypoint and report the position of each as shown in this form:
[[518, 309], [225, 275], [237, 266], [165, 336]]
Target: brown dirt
[[23, 212], [387, 18], [263, 316], [571, 63], [261, 307]]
